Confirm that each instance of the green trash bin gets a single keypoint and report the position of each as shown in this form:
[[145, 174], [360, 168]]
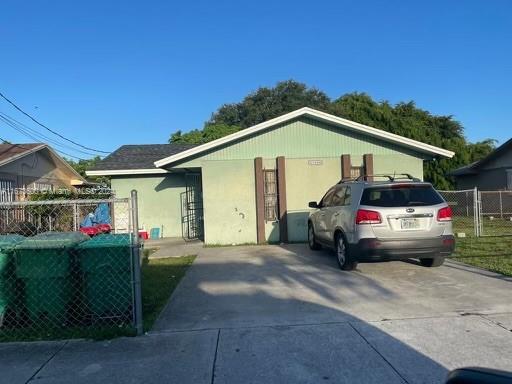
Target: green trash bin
[[45, 264], [106, 264], [8, 292]]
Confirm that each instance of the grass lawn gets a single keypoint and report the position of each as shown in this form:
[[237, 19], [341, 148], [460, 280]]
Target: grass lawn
[[496, 227], [491, 253], [159, 278]]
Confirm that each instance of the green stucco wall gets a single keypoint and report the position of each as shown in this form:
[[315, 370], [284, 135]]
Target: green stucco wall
[[308, 179], [229, 202], [306, 182], [158, 199]]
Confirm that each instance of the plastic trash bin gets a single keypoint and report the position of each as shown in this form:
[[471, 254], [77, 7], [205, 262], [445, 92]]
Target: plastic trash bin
[[106, 264], [44, 263], [8, 292]]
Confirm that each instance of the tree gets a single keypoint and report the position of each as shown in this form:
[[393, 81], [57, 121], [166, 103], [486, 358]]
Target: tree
[[404, 119], [83, 164], [209, 133], [267, 103]]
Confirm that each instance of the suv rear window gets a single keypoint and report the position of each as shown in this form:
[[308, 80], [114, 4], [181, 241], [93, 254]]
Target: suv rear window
[[401, 195]]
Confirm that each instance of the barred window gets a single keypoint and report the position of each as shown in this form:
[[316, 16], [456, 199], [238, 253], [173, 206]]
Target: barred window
[[43, 187], [6, 190], [355, 172], [270, 194]]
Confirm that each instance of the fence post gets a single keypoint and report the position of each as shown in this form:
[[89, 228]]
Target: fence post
[[476, 213], [501, 206], [136, 260], [75, 217]]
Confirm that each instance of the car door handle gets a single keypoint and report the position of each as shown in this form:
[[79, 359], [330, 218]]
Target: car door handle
[[336, 214]]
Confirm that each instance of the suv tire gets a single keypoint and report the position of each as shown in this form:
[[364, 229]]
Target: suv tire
[[432, 262], [312, 238], [343, 258]]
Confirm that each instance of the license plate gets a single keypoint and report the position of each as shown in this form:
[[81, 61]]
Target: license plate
[[410, 223]]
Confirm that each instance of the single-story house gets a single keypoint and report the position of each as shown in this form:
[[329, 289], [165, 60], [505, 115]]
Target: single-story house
[[492, 173], [33, 166], [254, 186]]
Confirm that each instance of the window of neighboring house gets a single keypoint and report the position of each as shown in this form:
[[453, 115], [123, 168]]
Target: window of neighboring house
[[43, 187], [7, 191], [341, 197], [509, 179], [270, 194]]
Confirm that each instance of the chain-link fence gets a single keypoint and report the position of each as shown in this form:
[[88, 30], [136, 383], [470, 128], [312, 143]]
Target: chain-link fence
[[69, 268], [481, 213], [482, 222], [495, 213]]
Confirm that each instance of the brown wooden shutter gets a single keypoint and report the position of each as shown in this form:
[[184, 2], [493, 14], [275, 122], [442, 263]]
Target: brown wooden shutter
[[368, 166], [281, 190], [346, 165]]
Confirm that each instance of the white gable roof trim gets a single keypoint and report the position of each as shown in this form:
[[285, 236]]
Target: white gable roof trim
[[318, 115]]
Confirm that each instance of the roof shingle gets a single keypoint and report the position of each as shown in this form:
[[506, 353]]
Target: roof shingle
[[138, 156], [8, 151]]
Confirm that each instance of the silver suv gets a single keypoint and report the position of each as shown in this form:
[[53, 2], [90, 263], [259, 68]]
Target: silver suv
[[395, 219]]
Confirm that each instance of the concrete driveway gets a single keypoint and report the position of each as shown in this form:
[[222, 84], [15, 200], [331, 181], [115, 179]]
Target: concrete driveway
[[276, 314], [287, 314]]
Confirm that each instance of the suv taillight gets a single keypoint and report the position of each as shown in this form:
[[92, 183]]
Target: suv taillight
[[444, 214], [364, 216]]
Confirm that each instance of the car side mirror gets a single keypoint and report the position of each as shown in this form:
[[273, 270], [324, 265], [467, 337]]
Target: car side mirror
[[313, 204]]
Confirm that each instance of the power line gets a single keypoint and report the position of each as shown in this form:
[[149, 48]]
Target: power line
[[22, 127], [45, 127], [33, 138]]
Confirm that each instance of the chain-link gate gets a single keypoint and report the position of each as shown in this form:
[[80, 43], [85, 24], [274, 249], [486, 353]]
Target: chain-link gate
[[481, 213], [464, 210], [57, 281]]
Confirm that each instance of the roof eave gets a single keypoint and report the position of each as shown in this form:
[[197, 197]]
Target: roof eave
[[22, 154], [122, 172]]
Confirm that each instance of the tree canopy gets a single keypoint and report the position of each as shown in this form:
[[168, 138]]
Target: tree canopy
[[404, 119], [83, 164]]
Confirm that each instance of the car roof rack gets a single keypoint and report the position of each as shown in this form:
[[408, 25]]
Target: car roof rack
[[392, 178]]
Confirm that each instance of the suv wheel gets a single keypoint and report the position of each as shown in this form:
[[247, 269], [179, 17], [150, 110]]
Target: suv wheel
[[432, 262], [342, 254], [311, 238]]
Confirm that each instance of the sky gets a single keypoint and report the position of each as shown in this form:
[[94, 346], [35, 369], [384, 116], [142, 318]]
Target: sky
[[108, 73]]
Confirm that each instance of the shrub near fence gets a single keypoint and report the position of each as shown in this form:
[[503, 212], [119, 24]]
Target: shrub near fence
[[58, 282]]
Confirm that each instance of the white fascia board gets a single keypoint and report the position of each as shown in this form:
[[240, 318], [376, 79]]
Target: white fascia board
[[120, 172], [318, 115]]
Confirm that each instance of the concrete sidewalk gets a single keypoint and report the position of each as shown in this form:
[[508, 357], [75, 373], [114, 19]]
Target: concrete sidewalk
[[397, 351], [173, 247]]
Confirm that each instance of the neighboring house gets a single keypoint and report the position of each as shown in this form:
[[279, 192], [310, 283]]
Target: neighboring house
[[494, 172], [25, 167], [254, 186]]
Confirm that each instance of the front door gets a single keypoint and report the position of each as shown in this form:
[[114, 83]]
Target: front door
[[192, 208]]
